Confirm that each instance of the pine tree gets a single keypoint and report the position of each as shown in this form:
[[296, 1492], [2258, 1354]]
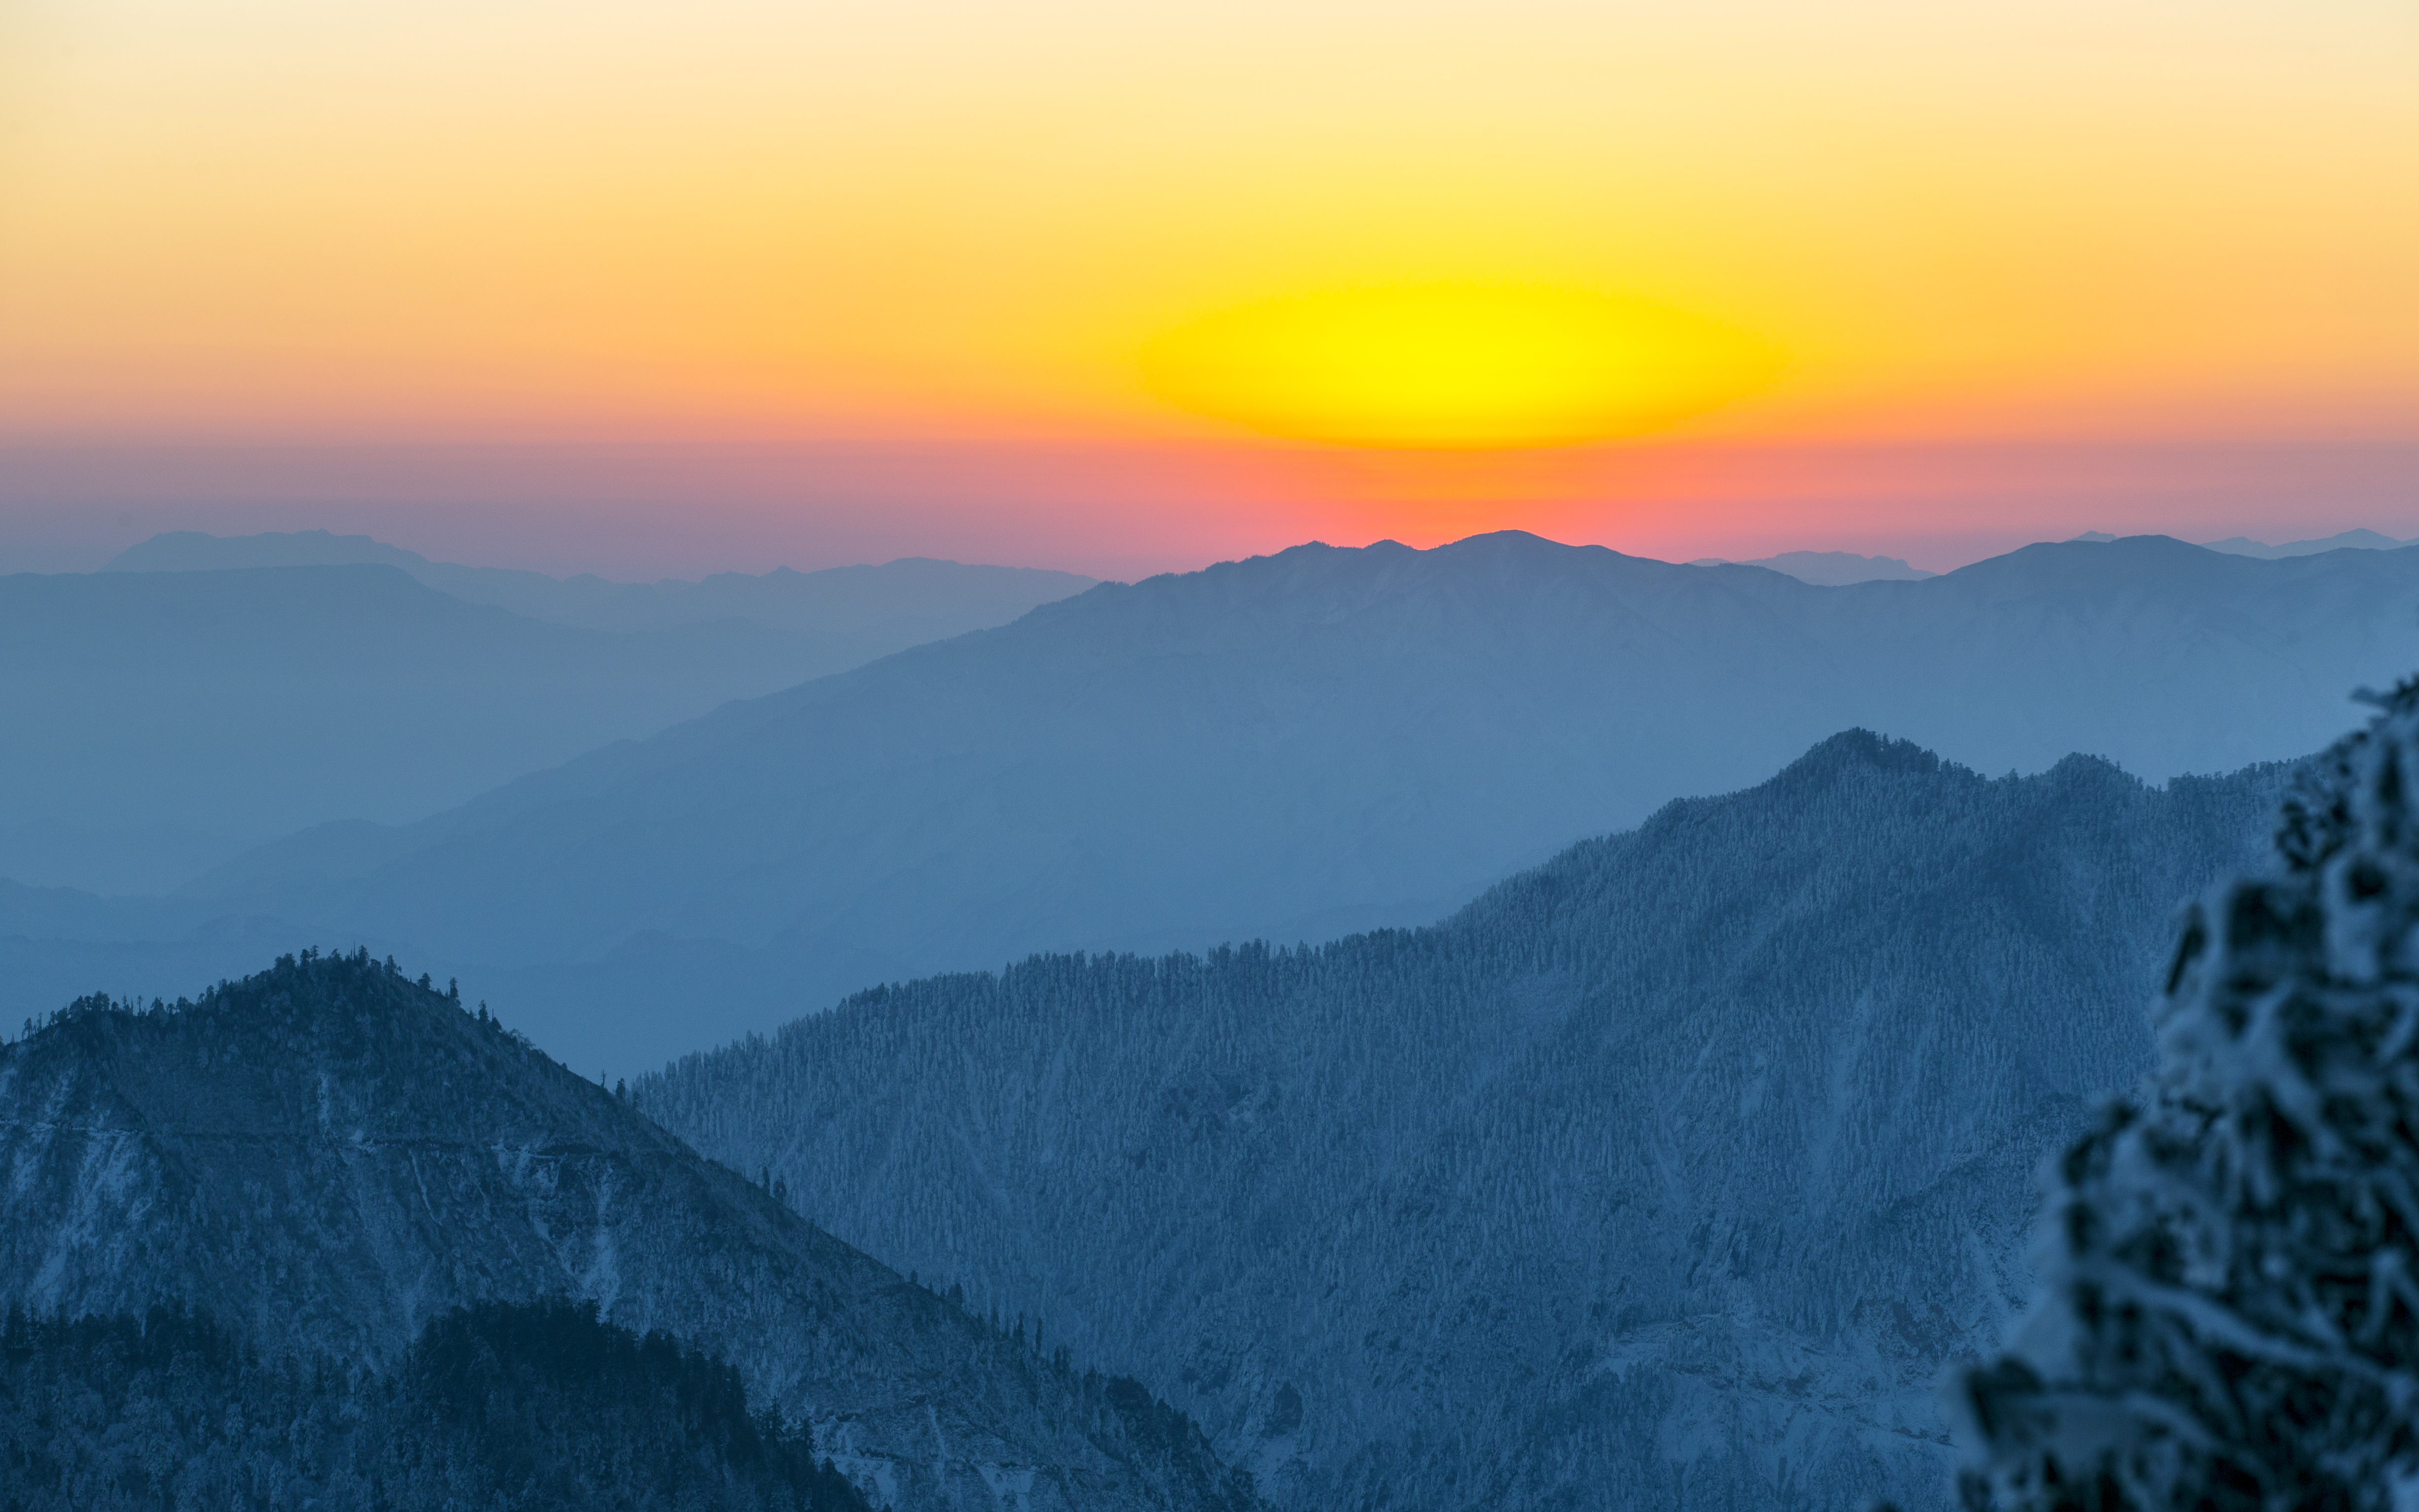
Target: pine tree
[[2232, 1315]]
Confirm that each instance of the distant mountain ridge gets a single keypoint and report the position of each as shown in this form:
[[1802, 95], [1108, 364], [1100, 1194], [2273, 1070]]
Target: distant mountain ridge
[[2346, 541], [1666, 1176], [1829, 569], [164, 721], [328, 1157], [182, 698], [1293, 748], [876, 608]]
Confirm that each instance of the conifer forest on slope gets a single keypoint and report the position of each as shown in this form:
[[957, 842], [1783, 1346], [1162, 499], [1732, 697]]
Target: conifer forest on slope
[[329, 1159], [1669, 1174]]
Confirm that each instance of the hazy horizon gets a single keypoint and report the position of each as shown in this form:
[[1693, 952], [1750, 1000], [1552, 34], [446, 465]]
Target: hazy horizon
[[566, 539]]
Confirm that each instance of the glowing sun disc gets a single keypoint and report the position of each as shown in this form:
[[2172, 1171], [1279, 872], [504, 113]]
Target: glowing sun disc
[[1454, 365]]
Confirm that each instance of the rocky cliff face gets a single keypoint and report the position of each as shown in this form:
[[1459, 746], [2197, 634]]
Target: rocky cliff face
[[332, 1156], [1669, 1175]]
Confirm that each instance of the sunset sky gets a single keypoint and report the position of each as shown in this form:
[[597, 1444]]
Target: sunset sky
[[1146, 285]]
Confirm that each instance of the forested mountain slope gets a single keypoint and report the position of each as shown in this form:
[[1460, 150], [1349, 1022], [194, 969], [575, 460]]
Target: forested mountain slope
[[1667, 1175], [498, 1407], [328, 1157]]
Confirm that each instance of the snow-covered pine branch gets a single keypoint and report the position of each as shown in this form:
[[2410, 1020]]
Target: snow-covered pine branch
[[2233, 1312]]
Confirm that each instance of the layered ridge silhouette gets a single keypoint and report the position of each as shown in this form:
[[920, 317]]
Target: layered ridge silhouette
[[1297, 746], [869, 609], [162, 721], [1291, 747]]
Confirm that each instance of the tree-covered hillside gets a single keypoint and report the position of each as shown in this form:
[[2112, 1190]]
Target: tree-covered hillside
[[498, 1407], [328, 1157], [1671, 1174]]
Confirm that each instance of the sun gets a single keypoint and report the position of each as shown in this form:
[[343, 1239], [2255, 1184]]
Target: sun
[[1460, 367]]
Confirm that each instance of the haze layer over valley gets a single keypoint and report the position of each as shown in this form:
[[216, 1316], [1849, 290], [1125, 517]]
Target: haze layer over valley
[[206, 694], [859, 611], [1290, 747]]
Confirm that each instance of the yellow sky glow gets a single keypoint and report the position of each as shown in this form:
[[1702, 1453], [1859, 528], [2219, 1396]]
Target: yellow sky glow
[[939, 218], [1453, 365]]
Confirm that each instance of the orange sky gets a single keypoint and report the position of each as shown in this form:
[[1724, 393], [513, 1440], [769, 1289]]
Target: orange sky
[[641, 512], [259, 224]]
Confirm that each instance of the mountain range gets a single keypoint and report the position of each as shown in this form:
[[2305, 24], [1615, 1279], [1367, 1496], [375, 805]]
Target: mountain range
[[2344, 541], [1829, 569], [1672, 1171], [872, 609], [1669, 1175], [328, 1159], [162, 721], [1291, 748]]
